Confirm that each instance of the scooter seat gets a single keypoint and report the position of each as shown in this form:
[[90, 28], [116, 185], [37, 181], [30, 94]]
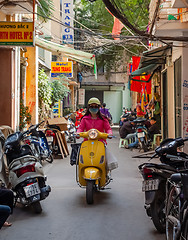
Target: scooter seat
[[22, 160]]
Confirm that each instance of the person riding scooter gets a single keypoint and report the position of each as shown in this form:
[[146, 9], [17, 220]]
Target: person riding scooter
[[94, 162], [94, 119]]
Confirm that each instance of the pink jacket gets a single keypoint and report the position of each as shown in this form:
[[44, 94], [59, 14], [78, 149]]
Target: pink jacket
[[88, 123]]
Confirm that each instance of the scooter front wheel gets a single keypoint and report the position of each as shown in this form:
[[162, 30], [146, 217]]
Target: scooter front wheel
[[89, 191]]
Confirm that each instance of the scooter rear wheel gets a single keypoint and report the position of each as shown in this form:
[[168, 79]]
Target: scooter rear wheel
[[36, 207], [50, 159], [89, 191]]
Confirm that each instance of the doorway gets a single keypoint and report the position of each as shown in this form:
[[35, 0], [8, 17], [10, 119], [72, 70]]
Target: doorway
[[165, 105], [177, 97]]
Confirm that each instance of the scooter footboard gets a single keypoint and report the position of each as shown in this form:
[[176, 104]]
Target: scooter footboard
[[91, 173]]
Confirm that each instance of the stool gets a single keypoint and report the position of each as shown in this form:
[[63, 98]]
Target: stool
[[123, 142], [157, 139]]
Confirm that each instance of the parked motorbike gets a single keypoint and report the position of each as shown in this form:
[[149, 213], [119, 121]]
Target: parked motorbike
[[91, 170], [70, 133], [155, 179], [142, 133], [52, 139], [39, 143], [177, 198], [26, 174]]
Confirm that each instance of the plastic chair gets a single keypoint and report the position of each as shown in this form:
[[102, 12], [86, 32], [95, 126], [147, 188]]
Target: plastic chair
[[157, 139], [123, 142]]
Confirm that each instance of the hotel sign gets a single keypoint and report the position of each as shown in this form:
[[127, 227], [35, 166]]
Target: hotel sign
[[59, 68], [67, 19], [16, 33]]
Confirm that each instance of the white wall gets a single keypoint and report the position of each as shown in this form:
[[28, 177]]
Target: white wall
[[113, 100], [126, 101]]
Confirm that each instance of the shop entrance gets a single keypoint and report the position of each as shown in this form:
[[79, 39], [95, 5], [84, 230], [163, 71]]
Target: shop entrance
[[177, 97], [165, 105]]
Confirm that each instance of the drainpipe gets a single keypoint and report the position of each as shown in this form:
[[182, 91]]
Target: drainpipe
[[23, 65]]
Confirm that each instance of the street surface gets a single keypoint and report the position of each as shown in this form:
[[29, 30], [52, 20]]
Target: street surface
[[117, 213]]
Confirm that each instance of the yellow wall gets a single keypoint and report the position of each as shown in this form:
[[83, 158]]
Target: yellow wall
[[32, 83]]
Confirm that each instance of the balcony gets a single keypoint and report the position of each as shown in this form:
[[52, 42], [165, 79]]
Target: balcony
[[16, 7], [170, 21]]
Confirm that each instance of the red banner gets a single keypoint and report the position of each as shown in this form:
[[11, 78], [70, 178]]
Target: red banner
[[137, 86]]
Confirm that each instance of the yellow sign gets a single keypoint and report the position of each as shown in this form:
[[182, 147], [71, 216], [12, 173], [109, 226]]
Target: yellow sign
[[16, 33], [59, 68]]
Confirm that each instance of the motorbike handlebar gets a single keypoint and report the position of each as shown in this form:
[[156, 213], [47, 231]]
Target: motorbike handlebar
[[154, 155]]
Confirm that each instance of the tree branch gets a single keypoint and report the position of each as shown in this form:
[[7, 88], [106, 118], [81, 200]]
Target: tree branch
[[144, 34]]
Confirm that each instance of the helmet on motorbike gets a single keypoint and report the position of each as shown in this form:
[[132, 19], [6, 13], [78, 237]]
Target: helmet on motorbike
[[94, 100]]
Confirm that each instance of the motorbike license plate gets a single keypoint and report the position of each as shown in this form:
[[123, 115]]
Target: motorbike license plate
[[49, 139], [141, 134], [150, 185], [32, 190]]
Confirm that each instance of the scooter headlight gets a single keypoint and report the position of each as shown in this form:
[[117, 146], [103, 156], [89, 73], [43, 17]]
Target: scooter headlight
[[93, 134]]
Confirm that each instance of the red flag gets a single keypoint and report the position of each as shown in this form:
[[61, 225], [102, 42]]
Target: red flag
[[135, 85], [116, 27], [148, 84]]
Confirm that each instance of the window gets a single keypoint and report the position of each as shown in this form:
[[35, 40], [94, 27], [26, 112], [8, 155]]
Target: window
[[54, 58]]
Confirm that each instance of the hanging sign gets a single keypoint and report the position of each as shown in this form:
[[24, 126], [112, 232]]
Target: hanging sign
[[59, 68], [81, 96], [16, 33], [67, 19]]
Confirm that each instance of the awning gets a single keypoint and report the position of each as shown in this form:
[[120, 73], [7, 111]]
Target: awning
[[155, 56], [77, 55], [44, 64], [144, 71], [151, 62]]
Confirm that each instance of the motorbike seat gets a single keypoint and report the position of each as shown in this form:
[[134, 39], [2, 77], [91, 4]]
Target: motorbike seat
[[139, 120], [21, 160], [25, 150]]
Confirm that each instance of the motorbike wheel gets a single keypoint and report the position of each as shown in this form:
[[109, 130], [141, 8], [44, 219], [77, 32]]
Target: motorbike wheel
[[50, 159], [89, 191], [172, 213], [144, 146], [157, 211], [36, 206], [185, 231]]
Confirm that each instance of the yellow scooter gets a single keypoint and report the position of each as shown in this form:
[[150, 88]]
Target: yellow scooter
[[91, 167]]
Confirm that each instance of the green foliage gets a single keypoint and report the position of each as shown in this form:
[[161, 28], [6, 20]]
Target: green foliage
[[44, 88], [44, 94], [25, 116], [95, 16], [59, 89], [45, 9], [50, 92]]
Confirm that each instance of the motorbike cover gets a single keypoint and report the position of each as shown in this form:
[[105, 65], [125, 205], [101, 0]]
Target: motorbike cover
[[149, 197], [91, 173]]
